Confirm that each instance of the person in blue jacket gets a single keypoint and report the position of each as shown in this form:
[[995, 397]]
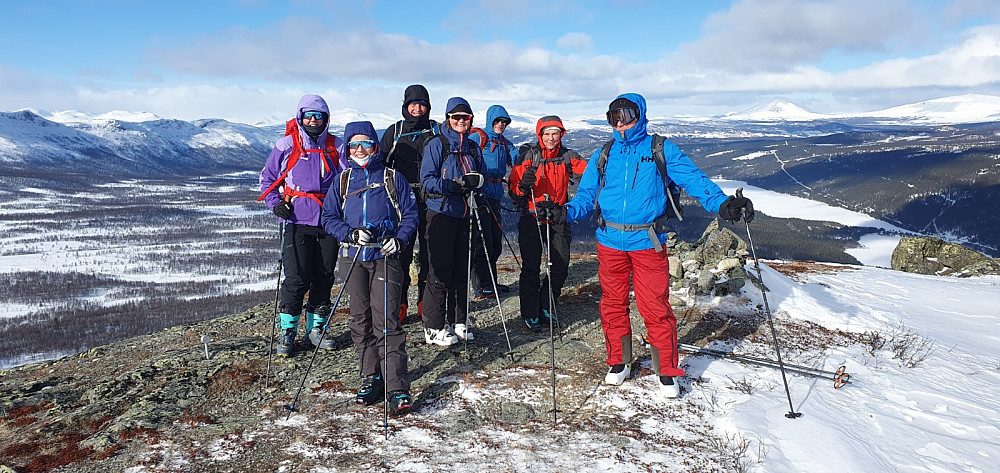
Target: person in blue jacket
[[452, 168], [377, 220], [499, 154], [628, 244]]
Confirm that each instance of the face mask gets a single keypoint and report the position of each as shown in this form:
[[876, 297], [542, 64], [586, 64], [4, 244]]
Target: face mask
[[362, 161], [314, 130]]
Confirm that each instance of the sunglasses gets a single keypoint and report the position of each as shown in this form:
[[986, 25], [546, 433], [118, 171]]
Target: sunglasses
[[366, 144], [313, 116], [624, 115], [460, 116], [505, 121]]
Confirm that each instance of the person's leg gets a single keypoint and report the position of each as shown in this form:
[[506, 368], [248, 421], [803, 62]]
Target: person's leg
[[423, 263], [459, 286], [613, 271], [441, 244], [389, 336], [318, 307], [652, 296], [293, 287], [531, 261], [362, 331], [559, 252]]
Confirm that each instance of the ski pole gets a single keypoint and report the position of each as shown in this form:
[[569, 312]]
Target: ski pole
[[385, 345], [493, 279], [502, 232], [291, 407], [552, 313], [468, 287], [774, 336], [274, 317], [839, 377]]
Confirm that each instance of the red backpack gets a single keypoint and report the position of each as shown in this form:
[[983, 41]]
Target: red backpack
[[484, 138], [330, 155]]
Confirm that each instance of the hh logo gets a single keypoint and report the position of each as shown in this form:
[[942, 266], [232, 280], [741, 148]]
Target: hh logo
[[647, 159]]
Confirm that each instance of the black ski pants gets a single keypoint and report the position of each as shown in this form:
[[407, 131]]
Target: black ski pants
[[406, 255], [375, 288], [534, 291], [447, 291], [492, 234], [309, 259]]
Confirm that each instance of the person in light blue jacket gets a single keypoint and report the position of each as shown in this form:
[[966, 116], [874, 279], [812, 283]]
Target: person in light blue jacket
[[632, 200], [499, 154]]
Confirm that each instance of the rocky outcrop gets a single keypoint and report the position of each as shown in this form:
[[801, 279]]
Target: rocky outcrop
[[711, 265], [928, 255]]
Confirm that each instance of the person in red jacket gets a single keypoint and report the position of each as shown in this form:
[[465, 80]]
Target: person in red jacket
[[539, 183]]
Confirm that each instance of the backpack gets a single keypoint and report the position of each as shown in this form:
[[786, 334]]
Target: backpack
[[671, 189], [388, 181], [484, 139], [534, 152], [329, 155], [434, 130]]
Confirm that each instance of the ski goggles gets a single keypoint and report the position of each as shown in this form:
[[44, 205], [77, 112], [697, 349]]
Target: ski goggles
[[366, 144], [624, 115], [313, 116], [458, 116], [504, 120]]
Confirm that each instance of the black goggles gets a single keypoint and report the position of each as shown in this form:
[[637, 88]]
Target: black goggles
[[624, 115], [504, 120]]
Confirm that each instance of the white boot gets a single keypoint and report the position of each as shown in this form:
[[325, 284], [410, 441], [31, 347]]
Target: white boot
[[617, 374], [463, 333], [440, 337], [669, 387]]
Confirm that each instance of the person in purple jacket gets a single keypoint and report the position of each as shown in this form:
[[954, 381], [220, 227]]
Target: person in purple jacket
[[452, 168], [373, 210], [296, 196]]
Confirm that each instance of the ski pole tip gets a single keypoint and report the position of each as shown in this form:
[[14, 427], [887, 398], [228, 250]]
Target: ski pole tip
[[793, 415]]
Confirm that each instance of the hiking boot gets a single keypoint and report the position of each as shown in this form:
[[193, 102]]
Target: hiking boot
[[370, 391], [314, 336], [548, 319], [503, 288], [441, 337], [534, 323], [402, 313], [617, 374], [463, 333], [400, 403], [484, 293], [286, 342], [669, 388]]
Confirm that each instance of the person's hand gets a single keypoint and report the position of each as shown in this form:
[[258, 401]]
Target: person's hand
[[472, 180], [283, 210], [390, 246], [735, 208], [360, 236], [527, 181], [546, 210]]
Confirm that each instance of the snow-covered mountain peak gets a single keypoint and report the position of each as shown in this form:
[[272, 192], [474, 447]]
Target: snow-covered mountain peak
[[781, 109], [967, 108]]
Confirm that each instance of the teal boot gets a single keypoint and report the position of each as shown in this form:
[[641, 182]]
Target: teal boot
[[286, 336], [316, 321]]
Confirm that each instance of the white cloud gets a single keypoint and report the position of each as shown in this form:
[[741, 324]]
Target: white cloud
[[575, 41]]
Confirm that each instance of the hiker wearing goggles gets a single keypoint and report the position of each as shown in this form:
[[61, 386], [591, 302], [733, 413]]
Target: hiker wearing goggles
[[402, 145], [452, 168], [631, 197], [298, 172]]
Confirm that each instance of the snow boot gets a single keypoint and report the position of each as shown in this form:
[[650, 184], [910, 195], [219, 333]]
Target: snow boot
[[442, 337], [315, 322], [400, 403], [286, 337], [534, 323], [669, 388], [483, 293], [548, 319], [617, 374], [463, 333], [370, 391]]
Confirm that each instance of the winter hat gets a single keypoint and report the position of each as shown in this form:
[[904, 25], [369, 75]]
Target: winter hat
[[549, 121], [459, 106], [416, 93], [622, 102]]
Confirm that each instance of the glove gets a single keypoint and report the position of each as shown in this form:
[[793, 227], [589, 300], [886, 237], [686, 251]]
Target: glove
[[735, 208], [360, 236], [283, 210], [547, 210], [472, 180], [527, 181], [390, 246]]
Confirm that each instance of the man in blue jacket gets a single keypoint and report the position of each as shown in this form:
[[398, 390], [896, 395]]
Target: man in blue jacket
[[499, 154], [363, 211], [631, 198]]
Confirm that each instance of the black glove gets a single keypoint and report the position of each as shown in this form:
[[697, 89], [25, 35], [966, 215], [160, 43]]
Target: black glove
[[360, 236], [735, 208], [391, 246], [528, 181], [283, 210], [547, 210], [472, 180]]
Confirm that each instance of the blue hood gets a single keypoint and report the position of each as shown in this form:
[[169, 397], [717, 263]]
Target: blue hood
[[494, 112], [455, 102], [363, 128], [637, 133]]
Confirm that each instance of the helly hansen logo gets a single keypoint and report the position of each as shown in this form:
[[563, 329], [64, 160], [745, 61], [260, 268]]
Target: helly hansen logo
[[647, 159]]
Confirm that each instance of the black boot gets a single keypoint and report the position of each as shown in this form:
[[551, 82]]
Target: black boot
[[370, 391], [400, 402]]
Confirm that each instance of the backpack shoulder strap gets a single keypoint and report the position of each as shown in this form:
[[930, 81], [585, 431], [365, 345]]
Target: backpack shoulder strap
[[483, 139], [291, 128], [602, 161], [389, 181], [670, 188], [345, 180]]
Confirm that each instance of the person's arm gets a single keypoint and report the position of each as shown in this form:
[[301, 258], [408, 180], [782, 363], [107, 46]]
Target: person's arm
[[685, 173], [583, 203], [410, 218], [331, 218], [430, 170], [385, 144], [270, 173]]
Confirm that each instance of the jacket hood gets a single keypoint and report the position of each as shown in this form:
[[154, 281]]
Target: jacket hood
[[638, 132], [312, 103], [456, 103], [363, 128], [543, 123], [413, 93], [494, 112]]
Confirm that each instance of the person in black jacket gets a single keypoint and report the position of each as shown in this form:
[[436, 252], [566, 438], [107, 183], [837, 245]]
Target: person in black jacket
[[403, 145]]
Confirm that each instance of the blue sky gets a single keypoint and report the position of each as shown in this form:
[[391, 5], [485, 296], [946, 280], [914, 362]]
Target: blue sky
[[250, 60]]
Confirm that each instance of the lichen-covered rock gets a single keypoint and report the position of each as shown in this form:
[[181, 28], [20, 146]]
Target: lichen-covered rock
[[928, 255]]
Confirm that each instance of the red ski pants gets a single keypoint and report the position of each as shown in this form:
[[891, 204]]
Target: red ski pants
[[650, 274]]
